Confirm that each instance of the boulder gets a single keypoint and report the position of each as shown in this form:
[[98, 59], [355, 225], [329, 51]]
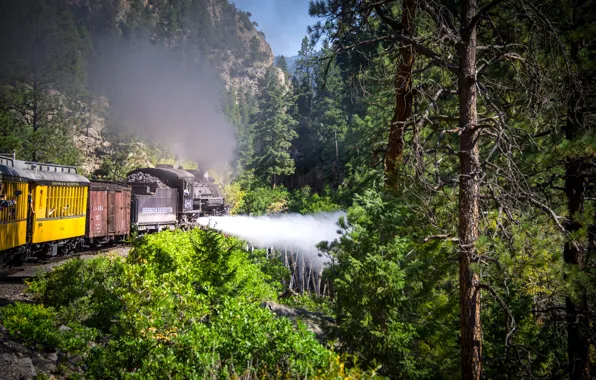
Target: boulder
[[14, 367], [20, 362], [319, 324]]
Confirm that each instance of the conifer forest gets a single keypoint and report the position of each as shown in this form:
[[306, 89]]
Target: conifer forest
[[454, 139]]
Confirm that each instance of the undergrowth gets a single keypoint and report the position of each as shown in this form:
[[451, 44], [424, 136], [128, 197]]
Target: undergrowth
[[181, 305]]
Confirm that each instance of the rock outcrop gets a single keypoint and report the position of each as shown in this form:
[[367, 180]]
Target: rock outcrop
[[319, 324], [19, 362]]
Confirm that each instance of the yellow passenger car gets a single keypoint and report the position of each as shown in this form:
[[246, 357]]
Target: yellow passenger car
[[51, 205], [58, 203]]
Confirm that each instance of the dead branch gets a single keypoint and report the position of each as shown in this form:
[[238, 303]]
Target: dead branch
[[440, 237]]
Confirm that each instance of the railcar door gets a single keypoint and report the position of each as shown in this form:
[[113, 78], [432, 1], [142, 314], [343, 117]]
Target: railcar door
[[126, 195], [112, 209], [98, 213], [119, 213]]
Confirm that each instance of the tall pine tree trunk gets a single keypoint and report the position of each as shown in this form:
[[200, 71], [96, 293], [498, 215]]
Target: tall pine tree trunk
[[574, 253], [469, 279], [403, 98]]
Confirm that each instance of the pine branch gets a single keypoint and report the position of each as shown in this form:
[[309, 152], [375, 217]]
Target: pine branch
[[424, 50], [511, 326], [482, 12], [446, 237]]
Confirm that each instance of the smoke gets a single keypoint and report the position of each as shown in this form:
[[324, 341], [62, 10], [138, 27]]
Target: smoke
[[165, 97], [297, 233]]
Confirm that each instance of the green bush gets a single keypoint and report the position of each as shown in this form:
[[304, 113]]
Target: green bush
[[304, 201], [262, 200], [271, 266], [205, 260], [84, 291], [182, 305], [40, 326], [393, 298], [310, 302]]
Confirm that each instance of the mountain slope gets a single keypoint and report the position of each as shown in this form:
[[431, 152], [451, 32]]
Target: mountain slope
[[53, 50]]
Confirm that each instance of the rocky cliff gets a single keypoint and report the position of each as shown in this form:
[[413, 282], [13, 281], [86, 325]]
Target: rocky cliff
[[215, 29], [223, 33]]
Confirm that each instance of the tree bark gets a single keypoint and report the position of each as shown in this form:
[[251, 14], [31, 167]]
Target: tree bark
[[574, 252], [403, 98], [469, 279]]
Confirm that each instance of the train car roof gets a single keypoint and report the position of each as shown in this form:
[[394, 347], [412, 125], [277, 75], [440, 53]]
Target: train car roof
[[107, 185], [42, 173]]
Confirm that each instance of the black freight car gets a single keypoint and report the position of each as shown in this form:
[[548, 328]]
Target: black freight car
[[177, 201], [153, 208]]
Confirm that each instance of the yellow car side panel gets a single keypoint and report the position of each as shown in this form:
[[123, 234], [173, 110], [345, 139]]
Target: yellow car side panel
[[13, 234], [60, 213], [46, 230]]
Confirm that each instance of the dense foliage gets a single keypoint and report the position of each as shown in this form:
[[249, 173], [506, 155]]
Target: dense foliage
[[470, 232], [459, 137], [180, 305]]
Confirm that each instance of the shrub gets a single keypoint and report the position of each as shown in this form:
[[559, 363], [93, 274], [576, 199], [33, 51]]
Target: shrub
[[310, 302], [304, 201], [83, 290], [393, 296], [262, 200], [40, 325], [206, 260], [182, 305]]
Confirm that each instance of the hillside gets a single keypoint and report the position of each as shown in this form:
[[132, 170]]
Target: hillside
[[61, 58]]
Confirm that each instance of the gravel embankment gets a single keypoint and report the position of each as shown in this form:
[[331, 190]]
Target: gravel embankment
[[12, 287]]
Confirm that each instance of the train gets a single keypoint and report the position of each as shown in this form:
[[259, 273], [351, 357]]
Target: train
[[52, 209]]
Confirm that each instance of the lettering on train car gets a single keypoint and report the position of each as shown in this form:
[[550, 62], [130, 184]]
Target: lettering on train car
[[157, 210], [97, 208], [63, 184]]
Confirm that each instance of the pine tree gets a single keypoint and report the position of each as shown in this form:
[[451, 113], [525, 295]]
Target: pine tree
[[273, 132], [282, 64], [44, 73]]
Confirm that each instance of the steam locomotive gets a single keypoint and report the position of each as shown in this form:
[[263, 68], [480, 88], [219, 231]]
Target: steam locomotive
[[51, 209]]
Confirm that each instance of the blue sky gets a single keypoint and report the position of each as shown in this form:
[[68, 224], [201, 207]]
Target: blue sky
[[284, 22]]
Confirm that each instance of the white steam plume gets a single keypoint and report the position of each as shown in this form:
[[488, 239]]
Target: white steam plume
[[169, 97], [297, 233]]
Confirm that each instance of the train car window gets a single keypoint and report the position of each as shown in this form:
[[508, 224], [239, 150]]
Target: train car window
[[62, 201], [5, 201], [11, 207], [75, 201], [54, 206], [79, 196], [67, 209], [51, 202]]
